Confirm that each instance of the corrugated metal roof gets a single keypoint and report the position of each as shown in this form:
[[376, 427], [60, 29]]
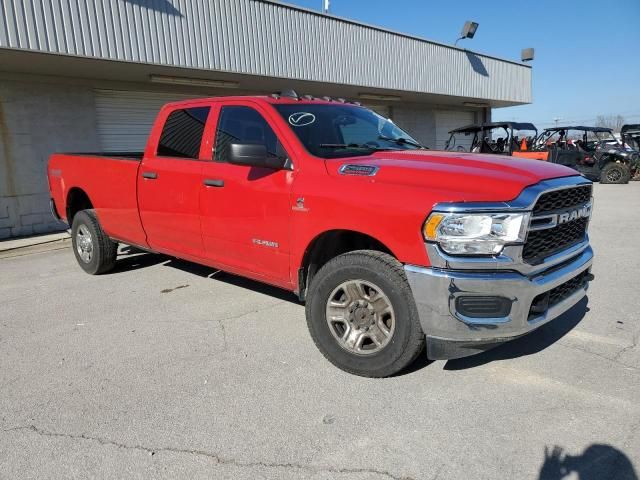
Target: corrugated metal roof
[[258, 37]]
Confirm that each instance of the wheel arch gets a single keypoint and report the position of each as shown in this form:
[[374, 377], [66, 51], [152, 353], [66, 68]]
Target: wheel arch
[[77, 200], [329, 244]]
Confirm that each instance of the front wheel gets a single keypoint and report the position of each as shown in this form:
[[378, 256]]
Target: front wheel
[[362, 316], [94, 250], [615, 173]]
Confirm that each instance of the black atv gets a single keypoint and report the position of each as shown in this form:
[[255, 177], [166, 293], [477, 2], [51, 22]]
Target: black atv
[[604, 157], [630, 137]]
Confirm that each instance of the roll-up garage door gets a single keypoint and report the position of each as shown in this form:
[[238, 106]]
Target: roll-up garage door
[[447, 120], [125, 118]]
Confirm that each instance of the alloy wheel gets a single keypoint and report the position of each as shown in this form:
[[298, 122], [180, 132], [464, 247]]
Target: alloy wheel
[[360, 317]]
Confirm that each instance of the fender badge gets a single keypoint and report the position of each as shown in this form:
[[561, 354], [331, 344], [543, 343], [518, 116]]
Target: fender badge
[[299, 206], [265, 243]]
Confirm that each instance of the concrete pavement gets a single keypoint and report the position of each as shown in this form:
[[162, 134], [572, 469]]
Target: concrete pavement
[[165, 369]]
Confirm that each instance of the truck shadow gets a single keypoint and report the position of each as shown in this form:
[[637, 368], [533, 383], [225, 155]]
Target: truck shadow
[[132, 258], [534, 342], [228, 278]]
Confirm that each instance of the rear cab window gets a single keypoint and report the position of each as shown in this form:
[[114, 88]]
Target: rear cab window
[[182, 133]]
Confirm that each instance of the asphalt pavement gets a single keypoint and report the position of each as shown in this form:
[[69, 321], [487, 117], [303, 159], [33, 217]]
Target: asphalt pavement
[[165, 369]]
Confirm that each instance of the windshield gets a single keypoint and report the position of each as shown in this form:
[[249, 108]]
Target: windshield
[[336, 131]]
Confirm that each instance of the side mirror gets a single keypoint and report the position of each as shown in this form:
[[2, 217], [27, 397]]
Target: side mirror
[[253, 155]]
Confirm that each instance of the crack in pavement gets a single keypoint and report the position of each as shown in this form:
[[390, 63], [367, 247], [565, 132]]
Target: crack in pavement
[[610, 359], [625, 349], [219, 459], [267, 307], [221, 321], [225, 344]]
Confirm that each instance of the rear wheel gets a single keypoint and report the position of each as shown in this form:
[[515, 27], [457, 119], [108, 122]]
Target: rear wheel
[[362, 316], [615, 173], [94, 250]]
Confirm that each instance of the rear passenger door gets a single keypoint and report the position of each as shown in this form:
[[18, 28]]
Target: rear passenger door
[[245, 210], [169, 184]]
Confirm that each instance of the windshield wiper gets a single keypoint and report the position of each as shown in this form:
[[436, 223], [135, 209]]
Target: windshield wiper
[[401, 141]]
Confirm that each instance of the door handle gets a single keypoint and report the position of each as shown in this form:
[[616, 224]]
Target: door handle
[[213, 183], [150, 175]]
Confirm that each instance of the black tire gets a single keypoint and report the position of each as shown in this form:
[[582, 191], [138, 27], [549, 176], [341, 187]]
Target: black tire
[[407, 340], [617, 173], [103, 250]]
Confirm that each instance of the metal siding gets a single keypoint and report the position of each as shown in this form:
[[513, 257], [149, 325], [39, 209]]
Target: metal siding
[[259, 38]]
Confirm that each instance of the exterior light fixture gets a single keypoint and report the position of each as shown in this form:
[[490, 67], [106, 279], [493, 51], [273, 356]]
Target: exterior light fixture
[[527, 54], [468, 31], [193, 82]]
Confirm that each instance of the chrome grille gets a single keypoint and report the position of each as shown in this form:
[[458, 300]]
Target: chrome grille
[[543, 243], [561, 199]]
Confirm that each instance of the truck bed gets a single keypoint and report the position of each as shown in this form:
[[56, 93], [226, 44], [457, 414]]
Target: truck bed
[[109, 180]]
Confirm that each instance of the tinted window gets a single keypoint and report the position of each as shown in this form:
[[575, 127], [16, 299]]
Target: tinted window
[[243, 125], [182, 133]]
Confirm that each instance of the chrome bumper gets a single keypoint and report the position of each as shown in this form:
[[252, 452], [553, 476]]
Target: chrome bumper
[[453, 335]]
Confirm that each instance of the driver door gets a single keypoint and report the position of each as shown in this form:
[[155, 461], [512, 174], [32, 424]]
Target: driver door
[[245, 211]]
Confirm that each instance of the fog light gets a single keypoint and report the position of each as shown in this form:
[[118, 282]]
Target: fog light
[[483, 307]]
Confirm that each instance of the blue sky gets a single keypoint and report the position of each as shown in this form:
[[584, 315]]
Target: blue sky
[[587, 52]]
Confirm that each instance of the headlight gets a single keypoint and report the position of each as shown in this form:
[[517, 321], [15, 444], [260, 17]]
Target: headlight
[[476, 233]]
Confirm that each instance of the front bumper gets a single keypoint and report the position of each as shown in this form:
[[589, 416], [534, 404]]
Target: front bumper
[[453, 335]]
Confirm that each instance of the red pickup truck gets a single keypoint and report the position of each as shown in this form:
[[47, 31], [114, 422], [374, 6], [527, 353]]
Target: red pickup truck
[[392, 246]]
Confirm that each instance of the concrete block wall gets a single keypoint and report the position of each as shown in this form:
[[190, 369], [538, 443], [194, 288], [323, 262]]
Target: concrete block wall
[[37, 118]]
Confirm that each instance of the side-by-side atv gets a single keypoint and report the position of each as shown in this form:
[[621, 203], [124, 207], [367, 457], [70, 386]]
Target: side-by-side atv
[[498, 138], [592, 151], [630, 137], [602, 156], [515, 139]]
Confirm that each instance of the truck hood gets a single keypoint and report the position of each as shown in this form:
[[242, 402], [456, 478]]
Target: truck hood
[[476, 177]]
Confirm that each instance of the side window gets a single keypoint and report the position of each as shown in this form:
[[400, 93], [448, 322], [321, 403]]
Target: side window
[[182, 133], [244, 125]]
